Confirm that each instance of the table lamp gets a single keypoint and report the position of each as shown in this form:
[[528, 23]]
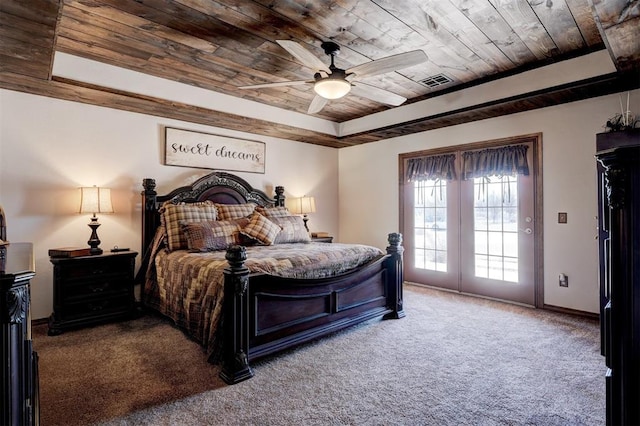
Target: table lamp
[[95, 200], [303, 205]]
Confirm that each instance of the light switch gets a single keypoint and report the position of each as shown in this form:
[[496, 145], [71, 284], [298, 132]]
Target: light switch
[[563, 280], [562, 217]]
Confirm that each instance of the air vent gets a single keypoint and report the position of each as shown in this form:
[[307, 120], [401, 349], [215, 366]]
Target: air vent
[[435, 80]]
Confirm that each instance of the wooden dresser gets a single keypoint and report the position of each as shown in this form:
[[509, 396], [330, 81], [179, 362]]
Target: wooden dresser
[[618, 155], [19, 400]]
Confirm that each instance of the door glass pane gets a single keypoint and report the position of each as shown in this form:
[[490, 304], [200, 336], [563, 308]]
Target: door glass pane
[[481, 222], [430, 225], [510, 221], [441, 260], [482, 266], [495, 267], [429, 239], [511, 244], [494, 219], [511, 269], [496, 228], [482, 242], [495, 243], [419, 258]]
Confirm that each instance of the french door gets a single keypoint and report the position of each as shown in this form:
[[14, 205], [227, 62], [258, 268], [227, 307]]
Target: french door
[[476, 236]]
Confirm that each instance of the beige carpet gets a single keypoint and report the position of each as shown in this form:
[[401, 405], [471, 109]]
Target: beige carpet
[[454, 360]]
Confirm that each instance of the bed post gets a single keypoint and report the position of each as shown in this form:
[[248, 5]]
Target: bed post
[[150, 222], [395, 276], [235, 344], [149, 216], [279, 197]]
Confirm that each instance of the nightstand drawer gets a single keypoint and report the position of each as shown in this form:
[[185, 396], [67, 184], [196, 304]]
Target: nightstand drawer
[[102, 287], [92, 269], [97, 307]]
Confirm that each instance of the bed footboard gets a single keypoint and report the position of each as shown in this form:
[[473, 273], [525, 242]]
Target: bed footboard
[[264, 314]]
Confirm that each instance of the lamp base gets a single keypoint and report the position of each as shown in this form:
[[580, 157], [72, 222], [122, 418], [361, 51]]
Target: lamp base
[[305, 219], [94, 241]]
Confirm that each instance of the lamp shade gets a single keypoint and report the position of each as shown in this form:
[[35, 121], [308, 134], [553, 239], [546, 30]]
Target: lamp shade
[[332, 88], [95, 200], [303, 205]]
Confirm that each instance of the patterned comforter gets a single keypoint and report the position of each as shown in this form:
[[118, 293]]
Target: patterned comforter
[[188, 287]]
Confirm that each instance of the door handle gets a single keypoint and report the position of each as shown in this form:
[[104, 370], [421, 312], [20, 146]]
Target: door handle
[[526, 230]]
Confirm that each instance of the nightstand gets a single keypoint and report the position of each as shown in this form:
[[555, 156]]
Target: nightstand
[[322, 239], [92, 289]]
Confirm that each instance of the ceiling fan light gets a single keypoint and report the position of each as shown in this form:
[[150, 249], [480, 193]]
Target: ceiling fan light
[[331, 88]]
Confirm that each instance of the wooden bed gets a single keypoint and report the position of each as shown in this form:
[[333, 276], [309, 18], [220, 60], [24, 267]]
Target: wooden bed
[[264, 314]]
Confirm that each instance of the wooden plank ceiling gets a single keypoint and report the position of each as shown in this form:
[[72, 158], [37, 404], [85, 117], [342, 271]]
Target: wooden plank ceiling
[[222, 44]]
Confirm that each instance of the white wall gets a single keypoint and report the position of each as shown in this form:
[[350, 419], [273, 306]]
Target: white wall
[[369, 177], [50, 147]]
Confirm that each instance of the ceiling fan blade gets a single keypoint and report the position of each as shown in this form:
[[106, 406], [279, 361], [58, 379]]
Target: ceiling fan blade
[[276, 84], [305, 57], [389, 63], [317, 104], [377, 94]]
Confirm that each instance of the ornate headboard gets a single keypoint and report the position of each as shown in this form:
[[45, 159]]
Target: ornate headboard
[[219, 187]]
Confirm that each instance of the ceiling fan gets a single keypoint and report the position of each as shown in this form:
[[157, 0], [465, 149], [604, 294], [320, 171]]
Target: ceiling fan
[[331, 82]]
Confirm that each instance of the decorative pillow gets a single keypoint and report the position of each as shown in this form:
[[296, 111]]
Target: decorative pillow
[[273, 211], [234, 211], [293, 230], [171, 216], [213, 235], [262, 229]]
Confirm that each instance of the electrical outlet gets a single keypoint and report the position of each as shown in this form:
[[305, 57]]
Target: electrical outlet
[[563, 280], [562, 217]]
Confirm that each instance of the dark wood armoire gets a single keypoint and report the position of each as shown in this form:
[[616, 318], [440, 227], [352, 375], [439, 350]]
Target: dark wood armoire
[[618, 156], [19, 398]]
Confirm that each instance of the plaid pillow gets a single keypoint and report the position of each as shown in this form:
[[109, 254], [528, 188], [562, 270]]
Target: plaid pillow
[[273, 211], [213, 235], [293, 230], [171, 216], [234, 211], [261, 229]]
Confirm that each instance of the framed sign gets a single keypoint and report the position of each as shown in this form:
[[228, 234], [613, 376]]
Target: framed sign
[[207, 151]]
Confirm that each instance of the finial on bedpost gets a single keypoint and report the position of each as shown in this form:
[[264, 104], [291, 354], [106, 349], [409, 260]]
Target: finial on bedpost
[[279, 196], [149, 184], [395, 241], [396, 275], [235, 344], [236, 255], [149, 196]]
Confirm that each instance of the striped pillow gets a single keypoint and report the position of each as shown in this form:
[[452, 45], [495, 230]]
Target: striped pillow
[[261, 229], [172, 216]]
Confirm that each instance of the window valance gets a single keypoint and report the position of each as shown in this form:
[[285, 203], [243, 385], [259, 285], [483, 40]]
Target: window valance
[[505, 161], [431, 168]]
